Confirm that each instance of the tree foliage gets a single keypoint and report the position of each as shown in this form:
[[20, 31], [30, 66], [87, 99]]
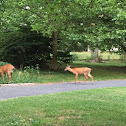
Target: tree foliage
[[109, 29], [97, 23], [24, 47]]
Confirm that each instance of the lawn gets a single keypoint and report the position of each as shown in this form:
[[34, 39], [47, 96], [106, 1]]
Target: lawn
[[95, 107], [103, 55], [100, 71], [114, 69]]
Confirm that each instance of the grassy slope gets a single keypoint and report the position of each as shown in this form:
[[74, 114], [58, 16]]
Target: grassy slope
[[96, 107]]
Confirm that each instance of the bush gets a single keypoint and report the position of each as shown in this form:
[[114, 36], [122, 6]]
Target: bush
[[25, 48]]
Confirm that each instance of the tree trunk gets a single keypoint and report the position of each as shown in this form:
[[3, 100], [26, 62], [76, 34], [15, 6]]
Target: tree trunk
[[123, 47], [54, 58]]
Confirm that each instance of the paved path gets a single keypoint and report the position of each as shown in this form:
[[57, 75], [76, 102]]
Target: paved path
[[7, 92]]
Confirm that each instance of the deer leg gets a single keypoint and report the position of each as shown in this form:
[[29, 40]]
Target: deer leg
[[2, 76], [86, 77], [10, 76], [91, 77], [6, 75], [76, 76]]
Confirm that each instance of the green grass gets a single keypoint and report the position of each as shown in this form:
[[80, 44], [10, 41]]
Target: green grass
[[114, 69], [100, 71], [95, 107], [104, 55], [106, 71]]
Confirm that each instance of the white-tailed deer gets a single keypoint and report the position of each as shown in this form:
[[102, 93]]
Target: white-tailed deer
[[6, 69], [83, 70]]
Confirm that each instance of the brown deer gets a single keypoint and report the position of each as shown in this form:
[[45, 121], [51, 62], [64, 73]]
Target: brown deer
[[83, 70], [6, 69]]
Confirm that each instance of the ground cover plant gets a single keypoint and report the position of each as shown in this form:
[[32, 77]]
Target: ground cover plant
[[95, 107]]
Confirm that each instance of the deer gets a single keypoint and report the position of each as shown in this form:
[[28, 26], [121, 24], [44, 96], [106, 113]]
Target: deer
[[6, 69], [82, 70]]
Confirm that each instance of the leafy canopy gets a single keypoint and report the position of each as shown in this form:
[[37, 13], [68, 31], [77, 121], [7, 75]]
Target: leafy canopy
[[72, 17]]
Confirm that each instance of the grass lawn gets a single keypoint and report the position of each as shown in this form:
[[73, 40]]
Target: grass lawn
[[100, 71], [95, 107], [113, 69], [103, 55]]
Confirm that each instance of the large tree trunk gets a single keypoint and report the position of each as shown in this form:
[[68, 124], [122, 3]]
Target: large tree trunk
[[54, 58]]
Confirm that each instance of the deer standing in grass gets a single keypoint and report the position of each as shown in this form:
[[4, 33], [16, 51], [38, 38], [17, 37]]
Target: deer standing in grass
[[83, 70], [6, 69]]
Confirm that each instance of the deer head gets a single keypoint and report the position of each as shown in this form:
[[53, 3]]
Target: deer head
[[67, 68]]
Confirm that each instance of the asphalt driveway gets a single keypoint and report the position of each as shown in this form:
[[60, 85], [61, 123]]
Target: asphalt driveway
[[14, 90]]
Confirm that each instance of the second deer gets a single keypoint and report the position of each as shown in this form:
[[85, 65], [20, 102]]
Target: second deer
[[83, 70], [6, 69]]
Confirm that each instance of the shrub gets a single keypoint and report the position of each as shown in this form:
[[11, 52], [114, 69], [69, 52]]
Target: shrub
[[25, 48]]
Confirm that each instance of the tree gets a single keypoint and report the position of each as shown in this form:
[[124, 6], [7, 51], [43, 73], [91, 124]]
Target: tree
[[104, 27], [110, 27], [71, 17], [47, 16]]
